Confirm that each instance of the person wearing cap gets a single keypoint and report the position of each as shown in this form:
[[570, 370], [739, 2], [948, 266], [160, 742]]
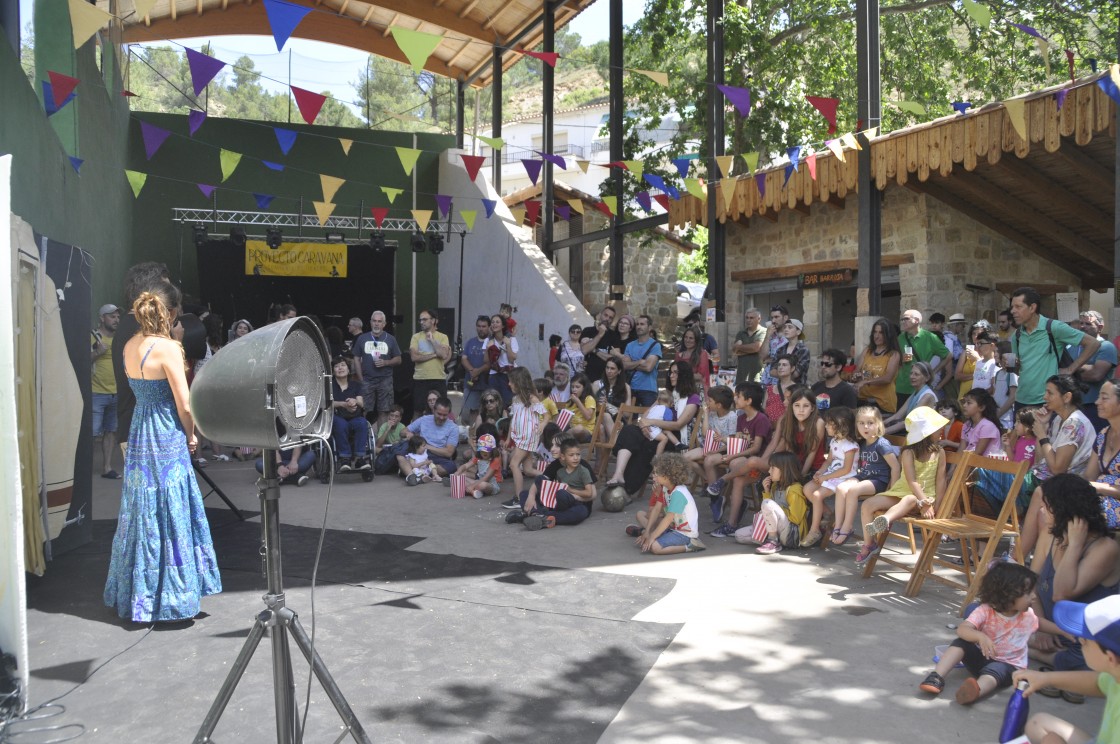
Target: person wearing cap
[[1099, 367], [1097, 626], [483, 471], [792, 335], [104, 385], [918, 345]]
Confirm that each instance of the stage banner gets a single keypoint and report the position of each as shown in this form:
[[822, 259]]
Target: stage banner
[[296, 259]]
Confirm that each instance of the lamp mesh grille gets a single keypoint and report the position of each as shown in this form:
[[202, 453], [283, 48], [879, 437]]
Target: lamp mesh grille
[[299, 372]]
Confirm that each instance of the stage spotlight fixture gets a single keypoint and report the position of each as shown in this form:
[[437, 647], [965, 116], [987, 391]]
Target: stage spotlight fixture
[[237, 236], [418, 243], [273, 238], [335, 237], [377, 242], [200, 236], [435, 243]]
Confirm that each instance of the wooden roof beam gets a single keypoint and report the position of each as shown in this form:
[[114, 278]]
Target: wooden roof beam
[[1095, 175], [1034, 182]]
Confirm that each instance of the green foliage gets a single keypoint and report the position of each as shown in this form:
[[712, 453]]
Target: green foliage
[[394, 97], [27, 52], [693, 267]]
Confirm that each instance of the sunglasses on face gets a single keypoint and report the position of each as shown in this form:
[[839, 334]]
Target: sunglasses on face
[[828, 364]]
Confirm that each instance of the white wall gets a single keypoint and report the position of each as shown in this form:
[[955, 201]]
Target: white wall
[[502, 264]]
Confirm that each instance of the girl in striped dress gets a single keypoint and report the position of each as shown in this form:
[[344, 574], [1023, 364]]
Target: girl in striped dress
[[527, 416]]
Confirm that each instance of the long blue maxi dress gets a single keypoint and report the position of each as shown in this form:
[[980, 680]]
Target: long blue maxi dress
[[163, 559]]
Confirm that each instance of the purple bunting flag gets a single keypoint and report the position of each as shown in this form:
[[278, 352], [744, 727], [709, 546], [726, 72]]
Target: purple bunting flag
[[564, 211], [443, 201], [1109, 88], [273, 166], [794, 158], [489, 204], [203, 69], [739, 97], [283, 18], [554, 159], [77, 164], [644, 200], [206, 190], [1029, 31], [962, 106], [760, 179], [533, 168], [263, 200], [1060, 97], [286, 138], [195, 119], [682, 165], [153, 137]]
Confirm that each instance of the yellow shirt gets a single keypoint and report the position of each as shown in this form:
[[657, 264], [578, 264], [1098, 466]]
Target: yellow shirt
[[433, 368], [101, 374]]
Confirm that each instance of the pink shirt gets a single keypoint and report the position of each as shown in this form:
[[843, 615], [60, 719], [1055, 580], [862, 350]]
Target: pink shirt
[[1024, 449], [973, 433], [1009, 634]]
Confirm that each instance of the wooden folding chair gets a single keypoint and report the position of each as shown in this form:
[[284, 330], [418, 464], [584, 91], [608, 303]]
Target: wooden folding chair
[[968, 529], [588, 447], [625, 414]]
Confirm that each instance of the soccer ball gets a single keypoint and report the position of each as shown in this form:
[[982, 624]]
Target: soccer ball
[[615, 499]]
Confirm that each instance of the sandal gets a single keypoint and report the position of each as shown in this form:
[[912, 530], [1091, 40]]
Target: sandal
[[865, 553], [843, 536], [1072, 697], [811, 539], [1049, 691], [613, 484], [633, 530]]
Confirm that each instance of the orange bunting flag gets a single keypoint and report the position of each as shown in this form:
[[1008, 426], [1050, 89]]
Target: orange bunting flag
[[331, 186], [391, 193], [324, 210], [408, 158], [576, 205], [308, 102], [811, 161], [422, 217], [468, 216], [1016, 112], [725, 162], [727, 188], [346, 144]]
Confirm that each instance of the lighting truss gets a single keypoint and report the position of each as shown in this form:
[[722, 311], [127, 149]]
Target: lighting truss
[[214, 218]]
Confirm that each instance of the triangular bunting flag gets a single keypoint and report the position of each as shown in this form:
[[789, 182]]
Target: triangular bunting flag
[[1109, 84], [408, 157], [1044, 50], [635, 167], [195, 119], [1016, 108], [961, 106], [725, 163], [443, 201], [582, 164], [751, 159], [849, 140], [1092, 64], [532, 210], [229, 161], [739, 97], [610, 203], [661, 78], [979, 14], [489, 205], [1069, 61], [1060, 97], [330, 185], [323, 210], [468, 216], [827, 107], [129, 94], [422, 217], [549, 58], [61, 86], [48, 100], [789, 172], [682, 165], [727, 188], [794, 156], [556, 160], [564, 211], [203, 69], [910, 107], [644, 200], [760, 181], [285, 138], [663, 200], [417, 46], [283, 18], [533, 168], [86, 20], [518, 215], [346, 145], [495, 143], [144, 7], [263, 200], [836, 147], [77, 164], [136, 181], [472, 163], [273, 166], [1028, 30], [379, 215], [308, 102], [153, 137], [392, 193], [695, 187], [205, 189], [576, 204], [811, 161]]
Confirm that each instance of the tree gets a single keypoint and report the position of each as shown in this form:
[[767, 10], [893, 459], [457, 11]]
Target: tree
[[392, 95]]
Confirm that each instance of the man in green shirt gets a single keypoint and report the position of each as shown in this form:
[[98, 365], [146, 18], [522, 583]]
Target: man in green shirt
[[918, 345], [1038, 348], [748, 347]]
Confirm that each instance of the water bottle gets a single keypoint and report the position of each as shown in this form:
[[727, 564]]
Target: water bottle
[[1015, 717]]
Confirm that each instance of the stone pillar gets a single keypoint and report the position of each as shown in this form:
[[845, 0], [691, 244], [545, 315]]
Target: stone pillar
[[813, 319]]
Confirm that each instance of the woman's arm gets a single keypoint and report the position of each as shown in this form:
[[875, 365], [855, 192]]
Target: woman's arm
[[1012, 390], [685, 419], [629, 396], [511, 349], [1081, 569]]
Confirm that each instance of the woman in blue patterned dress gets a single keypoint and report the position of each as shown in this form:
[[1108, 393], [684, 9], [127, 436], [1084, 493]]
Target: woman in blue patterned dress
[[163, 560]]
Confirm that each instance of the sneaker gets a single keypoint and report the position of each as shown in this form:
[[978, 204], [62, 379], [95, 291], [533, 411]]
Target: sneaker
[[220, 458], [876, 526], [535, 522], [344, 464], [724, 530], [865, 553], [969, 691], [694, 546], [717, 509], [513, 503], [769, 547], [516, 517], [303, 480], [634, 530], [412, 479], [682, 447], [363, 463], [811, 539], [933, 683], [477, 494], [715, 488]]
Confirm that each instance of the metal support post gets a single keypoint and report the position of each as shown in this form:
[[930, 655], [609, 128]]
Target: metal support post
[[869, 294], [617, 112], [717, 231]]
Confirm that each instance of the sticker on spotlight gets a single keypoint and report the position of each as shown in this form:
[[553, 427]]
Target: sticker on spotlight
[[300, 402]]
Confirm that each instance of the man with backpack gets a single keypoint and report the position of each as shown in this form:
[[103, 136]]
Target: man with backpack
[[1038, 346]]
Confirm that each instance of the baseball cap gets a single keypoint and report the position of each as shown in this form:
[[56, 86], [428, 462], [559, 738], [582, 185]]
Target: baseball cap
[[957, 318], [106, 309], [1098, 621], [486, 443], [797, 324]]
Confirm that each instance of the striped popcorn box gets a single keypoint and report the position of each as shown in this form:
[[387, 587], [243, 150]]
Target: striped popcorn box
[[563, 419], [458, 486], [735, 445], [548, 490], [711, 441]]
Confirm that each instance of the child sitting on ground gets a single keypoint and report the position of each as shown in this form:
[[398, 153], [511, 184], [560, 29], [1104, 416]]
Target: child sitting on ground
[[571, 504], [417, 456], [661, 411], [784, 508], [992, 641], [1097, 627], [484, 470], [644, 519], [839, 466], [392, 430], [676, 531]]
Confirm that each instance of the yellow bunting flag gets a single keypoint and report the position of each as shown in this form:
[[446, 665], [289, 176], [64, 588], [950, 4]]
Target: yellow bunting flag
[[1114, 73], [911, 107], [661, 78], [346, 144], [392, 193], [416, 45], [324, 210], [752, 161], [635, 167], [144, 7], [229, 160], [725, 162], [696, 187], [870, 133], [1016, 112], [408, 158], [612, 204], [136, 181], [582, 164], [518, 215], [1044, 50], [422, 217], [86, 20], [836, 147], [849, 140], [576, 204], [727, 186], [496, 143], [977, 12], [331, 186], [468, 216]]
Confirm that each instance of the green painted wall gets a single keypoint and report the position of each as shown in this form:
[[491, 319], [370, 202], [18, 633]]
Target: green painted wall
[[183, 162]]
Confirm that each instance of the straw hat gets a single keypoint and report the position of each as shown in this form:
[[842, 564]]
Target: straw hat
[[923, 421]]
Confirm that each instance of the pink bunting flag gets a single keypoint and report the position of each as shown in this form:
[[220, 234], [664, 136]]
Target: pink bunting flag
[[533, 210], [549, 58], [811, 161], [564, 211], [644, 201], [153, 137], [195, 119], [554, 159], [473, 163], [443, 201], [663, 200], [61, 86], [827, 107], [203, 69], [379, 214], [739, 97], [309, 103], [533, 168], [206, 190], [1069, 59], [489, 205], [1060, 97]]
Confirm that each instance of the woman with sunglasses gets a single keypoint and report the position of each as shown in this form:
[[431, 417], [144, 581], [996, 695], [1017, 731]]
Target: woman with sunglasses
[[571, 353]]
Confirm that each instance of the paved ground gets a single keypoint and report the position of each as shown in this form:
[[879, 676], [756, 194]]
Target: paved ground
[[442, 624]]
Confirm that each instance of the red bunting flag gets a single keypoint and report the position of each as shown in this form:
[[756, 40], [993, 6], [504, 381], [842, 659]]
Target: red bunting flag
[[602, 207], [1069, 59], [618, 164], [532, 210], [663, 200], [129, 94], [549, 58], [827, 107], [61, 86], [811, 161], [379, 214], [309, 103], [472, 163]]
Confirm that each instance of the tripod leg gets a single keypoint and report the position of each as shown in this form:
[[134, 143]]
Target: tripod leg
[[234, 676], [327, 681], [284, 687], [214, 489]]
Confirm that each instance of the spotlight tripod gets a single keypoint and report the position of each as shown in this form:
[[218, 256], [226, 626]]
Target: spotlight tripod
[[280, 620]]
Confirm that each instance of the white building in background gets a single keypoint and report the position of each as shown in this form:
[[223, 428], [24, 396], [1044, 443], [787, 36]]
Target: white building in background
[[578, 134]]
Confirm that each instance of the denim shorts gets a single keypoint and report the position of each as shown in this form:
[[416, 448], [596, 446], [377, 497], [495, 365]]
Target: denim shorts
[[104, 413], [669, 538]]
